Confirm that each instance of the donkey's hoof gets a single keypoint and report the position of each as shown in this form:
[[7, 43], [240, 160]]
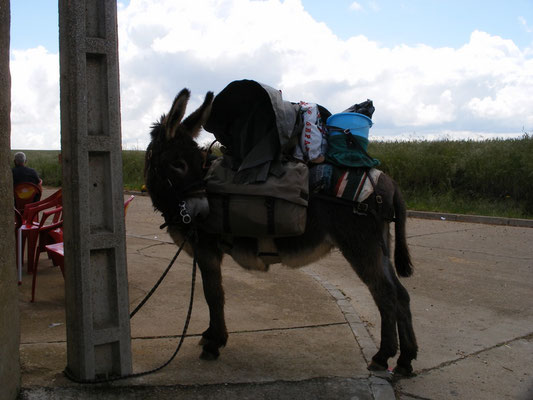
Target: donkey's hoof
[[208, 356], [374, 366], [210, 351], [403, 371]]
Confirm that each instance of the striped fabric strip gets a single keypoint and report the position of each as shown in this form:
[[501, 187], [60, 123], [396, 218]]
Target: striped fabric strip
[[347, 184], [341, 184], [360, 187], [352, 184]]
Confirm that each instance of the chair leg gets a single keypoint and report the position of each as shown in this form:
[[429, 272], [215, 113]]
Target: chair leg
[[22, 246], [35, 264], [32, 248], [62, 267], [19, 256], [33, 283], [38, 251]]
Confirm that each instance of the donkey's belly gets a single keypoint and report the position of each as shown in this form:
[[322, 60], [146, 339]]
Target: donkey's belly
[[305, 256], [259, 254]]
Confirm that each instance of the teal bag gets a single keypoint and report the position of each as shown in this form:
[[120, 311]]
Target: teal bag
[[347, 150]]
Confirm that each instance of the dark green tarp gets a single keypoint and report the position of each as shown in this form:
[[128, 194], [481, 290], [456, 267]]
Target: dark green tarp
[[256, 126]]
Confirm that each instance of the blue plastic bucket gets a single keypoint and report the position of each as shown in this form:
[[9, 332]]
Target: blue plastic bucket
[[358, 124]]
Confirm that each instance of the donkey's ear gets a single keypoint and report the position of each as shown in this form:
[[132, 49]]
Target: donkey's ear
[[172, 120], [198, 118]]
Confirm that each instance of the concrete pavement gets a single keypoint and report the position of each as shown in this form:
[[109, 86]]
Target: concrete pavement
[[472, 309], [309, 333]]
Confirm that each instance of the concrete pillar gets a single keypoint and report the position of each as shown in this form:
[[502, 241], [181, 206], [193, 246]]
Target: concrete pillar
[[97, 311], [9, 307]]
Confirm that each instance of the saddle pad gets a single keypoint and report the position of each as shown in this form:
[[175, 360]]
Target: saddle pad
[[275, 208], [349, 184]]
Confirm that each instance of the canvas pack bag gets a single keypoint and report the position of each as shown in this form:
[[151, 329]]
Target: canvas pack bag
[[275, 208]]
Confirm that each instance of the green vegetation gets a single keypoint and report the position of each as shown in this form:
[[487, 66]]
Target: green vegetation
[[133, 169], [47, 165], [491, 177]]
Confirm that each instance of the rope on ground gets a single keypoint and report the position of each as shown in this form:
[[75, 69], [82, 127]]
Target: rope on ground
[[139, 306]]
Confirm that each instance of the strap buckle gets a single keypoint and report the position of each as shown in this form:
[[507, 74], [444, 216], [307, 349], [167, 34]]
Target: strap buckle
[[360, 208]]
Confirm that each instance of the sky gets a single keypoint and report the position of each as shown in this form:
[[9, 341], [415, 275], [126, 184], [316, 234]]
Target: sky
[[435, 69]]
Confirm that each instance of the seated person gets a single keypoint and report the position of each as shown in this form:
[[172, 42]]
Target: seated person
[[22, 173]]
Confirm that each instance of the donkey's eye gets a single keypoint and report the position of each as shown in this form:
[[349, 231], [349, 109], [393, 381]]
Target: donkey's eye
[[179, 166]]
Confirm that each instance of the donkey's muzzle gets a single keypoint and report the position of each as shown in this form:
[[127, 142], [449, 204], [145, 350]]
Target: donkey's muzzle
[[198, 207]]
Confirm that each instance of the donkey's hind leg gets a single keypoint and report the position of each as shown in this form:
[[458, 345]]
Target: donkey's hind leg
[[368, 260], [408, 345]]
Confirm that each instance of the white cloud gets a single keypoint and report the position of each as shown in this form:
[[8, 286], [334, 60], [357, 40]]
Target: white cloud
[[165, 45], [374, 5], [355, 6], [34, 99], [524, 24]]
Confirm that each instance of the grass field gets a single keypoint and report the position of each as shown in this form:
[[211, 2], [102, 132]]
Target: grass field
[[492, 177]]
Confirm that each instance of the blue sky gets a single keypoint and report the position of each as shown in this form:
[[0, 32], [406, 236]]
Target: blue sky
[[437, 23], [434, 68], [33, 23]]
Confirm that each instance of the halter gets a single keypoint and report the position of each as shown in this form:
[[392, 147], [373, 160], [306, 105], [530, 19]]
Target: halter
[[183, 217]]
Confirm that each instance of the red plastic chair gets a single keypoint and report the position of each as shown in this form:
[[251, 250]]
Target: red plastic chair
[[127, 204], [26, 193], [48, 234], [29, 231], [56, 251], [18, 224], [53, 200]]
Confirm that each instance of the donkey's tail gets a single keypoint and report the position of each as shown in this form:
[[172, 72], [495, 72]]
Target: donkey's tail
[[402, 259]]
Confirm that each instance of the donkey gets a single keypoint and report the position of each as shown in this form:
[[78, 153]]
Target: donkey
[[174, 179]]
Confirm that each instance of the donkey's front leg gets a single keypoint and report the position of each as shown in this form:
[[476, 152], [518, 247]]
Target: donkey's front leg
[[216, 336]]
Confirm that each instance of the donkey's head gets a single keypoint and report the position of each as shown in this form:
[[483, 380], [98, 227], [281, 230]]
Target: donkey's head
[[173, 165]]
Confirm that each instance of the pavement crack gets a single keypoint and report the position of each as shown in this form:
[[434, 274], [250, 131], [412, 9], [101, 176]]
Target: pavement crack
[[151, 237], [443, 232], [245, 331], [505, 256], [527, 336], [149, 247], [138, 298], [46, 342], [192, 335], [414, 396], [141, 251], [290, 328]]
